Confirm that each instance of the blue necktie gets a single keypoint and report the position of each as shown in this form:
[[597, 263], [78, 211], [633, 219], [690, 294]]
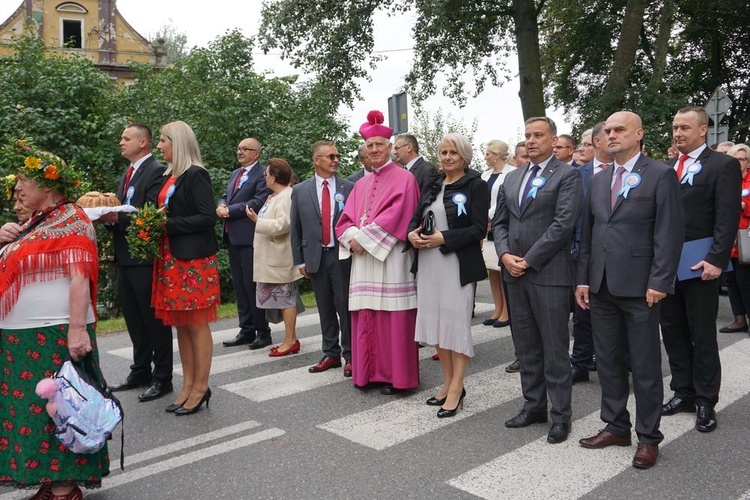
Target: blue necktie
[[534, 171]]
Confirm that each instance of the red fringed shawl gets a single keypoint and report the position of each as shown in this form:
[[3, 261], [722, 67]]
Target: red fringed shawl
[[61, 244]]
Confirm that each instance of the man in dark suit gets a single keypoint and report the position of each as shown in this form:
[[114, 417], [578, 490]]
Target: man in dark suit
[[564, 149], [632, 237], [582, 355], [246, 188], [406, 152], [366, 165], [315, 252], [536, 215], [152, 341], [711, 186]]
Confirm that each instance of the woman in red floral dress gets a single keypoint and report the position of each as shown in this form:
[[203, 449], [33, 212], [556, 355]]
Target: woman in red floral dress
[[186, 275], [52, 255]]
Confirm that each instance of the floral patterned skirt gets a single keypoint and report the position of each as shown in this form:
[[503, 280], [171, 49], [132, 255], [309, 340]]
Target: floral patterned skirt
[[185, 291], [30, 454]]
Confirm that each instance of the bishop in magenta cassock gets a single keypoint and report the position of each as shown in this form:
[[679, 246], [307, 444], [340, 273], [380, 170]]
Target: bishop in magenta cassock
[[382, 291]]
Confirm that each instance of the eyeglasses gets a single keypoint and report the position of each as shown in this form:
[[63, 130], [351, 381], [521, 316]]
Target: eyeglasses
[[332, 156], [246, 149], [562, 147], [399, 147]]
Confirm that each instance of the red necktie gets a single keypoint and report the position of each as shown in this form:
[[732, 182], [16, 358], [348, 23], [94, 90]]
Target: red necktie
[[680, 165], [325, 214], [237, 180], [128, 175], [617, 186], [604, 166]]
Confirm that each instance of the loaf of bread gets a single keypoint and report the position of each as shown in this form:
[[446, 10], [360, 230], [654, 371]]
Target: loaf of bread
[[94, 199]]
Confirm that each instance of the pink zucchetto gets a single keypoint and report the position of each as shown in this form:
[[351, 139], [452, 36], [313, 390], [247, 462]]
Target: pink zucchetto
[[374, 126]]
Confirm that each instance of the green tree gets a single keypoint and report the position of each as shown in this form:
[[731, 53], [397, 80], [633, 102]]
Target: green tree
[[63, 103], [466, 38], [175, 41], [430, 128]]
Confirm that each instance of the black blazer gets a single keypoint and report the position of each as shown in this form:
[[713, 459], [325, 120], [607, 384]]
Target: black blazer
[[713, 204], [146, 182], [191, 216], [465, 232], [424, 172]]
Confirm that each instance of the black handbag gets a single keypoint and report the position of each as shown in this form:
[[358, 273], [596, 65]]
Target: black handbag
[[428, 223]]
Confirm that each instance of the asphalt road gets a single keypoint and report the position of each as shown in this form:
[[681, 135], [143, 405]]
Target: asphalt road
[[274, 431]]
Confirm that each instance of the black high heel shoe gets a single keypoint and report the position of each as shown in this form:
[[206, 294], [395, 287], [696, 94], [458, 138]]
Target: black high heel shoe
[[444, 413], [189, 411], [433, 401], [174, 407]]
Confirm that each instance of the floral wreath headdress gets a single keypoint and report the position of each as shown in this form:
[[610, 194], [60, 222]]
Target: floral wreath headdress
[[20, 156]]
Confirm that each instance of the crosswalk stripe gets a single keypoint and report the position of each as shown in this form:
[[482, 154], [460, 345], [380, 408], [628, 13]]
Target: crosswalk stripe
[[298, 380], [398, 421], [116, 479], [220, 336], [538, 463]]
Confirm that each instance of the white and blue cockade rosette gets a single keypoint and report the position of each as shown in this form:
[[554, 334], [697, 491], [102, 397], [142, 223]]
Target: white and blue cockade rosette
[[630, 181], [746, 192], [243, 180], [129, 195], [460, 200], [692, 171], [339, 198], [536, 184], [170, 192]]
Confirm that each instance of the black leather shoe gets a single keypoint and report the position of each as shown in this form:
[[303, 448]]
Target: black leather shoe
[[580, 376], [389, 390], [259, 343], [730, 329], [705, 421], [131, 383], [678, 405], [514, 367], [155, 391], [558, 433], [240, 339], [526, 418]]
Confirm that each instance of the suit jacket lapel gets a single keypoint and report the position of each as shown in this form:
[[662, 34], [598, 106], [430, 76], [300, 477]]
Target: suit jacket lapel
[[232, 180], [638, 168], [313, 192], [548, 172]]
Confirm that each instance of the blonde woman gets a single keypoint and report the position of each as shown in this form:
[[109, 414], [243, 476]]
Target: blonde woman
[[186, 275], [496, 156]]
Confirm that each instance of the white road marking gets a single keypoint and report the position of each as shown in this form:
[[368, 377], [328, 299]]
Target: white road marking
[[538, 463], [116, 479], [298, 380], [398, 421]]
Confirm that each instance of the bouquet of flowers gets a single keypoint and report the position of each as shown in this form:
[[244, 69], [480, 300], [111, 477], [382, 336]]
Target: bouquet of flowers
[[145, 231]]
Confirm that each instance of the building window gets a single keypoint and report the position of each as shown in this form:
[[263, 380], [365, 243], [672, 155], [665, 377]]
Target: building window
[[72, 33]]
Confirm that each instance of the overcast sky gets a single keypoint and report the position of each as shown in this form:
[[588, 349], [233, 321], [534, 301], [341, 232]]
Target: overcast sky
[[497, 111]]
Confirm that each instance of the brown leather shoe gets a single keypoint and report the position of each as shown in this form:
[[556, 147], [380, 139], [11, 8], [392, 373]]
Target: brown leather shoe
[[604, 439], [348, 369], [645, 456], [324, 364]]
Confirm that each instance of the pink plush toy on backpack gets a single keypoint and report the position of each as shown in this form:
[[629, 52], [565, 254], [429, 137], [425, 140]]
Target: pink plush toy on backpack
[[46, 389]]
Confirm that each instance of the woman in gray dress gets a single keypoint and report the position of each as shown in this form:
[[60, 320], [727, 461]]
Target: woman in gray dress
[[449, 264]]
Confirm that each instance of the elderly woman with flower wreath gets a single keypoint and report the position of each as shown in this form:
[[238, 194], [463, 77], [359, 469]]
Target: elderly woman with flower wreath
[[48, 279]]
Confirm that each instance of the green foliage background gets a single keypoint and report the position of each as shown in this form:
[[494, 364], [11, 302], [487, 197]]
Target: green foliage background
[[74, 110]]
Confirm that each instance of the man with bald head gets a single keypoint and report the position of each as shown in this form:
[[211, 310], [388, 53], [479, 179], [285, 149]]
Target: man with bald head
[[246, 189], [632, 235]]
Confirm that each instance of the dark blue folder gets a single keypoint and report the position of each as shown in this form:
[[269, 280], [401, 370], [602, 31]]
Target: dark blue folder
[[692, 253]]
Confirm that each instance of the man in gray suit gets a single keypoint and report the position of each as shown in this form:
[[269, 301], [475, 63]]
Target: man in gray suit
[[632, 236], [406, 152], [366, 165], [316, 206], [536, 215]]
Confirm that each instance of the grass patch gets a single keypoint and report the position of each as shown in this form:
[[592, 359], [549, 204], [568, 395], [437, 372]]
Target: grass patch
[[229, 310]]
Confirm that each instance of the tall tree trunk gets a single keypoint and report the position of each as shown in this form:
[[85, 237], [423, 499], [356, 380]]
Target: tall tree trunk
[[661, 49], [529, 58], [619, 76]]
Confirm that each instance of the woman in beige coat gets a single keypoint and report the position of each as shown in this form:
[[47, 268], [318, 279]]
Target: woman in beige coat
[[273, 270]]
